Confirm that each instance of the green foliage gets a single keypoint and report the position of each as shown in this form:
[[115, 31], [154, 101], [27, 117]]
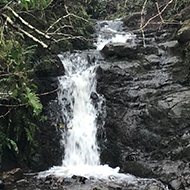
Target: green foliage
[[4, 140], [34, 4], [96, 8], [20, 105], [33, 101], [39, 4]]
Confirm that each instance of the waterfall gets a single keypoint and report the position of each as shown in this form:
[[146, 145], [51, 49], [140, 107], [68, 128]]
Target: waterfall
[[80, 115], [75, 92], [74, 96], [78, 111]]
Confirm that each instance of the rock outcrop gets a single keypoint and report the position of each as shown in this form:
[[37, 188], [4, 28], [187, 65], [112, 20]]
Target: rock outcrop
[[147, 105]]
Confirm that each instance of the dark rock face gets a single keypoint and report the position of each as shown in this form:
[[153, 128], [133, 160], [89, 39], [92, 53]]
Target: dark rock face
[[148, 118], [48, 134]]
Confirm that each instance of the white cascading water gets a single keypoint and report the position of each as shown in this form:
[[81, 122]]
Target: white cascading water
[[76, 86], [112, 32]]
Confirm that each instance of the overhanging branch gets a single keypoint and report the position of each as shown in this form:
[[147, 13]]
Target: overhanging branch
[[8, 19]]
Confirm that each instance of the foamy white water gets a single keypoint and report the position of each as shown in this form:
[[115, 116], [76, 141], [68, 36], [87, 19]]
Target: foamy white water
[[76, 87], [111, 32], [79, 139]]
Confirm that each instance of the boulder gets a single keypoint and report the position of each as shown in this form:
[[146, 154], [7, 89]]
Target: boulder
[[120, 50]]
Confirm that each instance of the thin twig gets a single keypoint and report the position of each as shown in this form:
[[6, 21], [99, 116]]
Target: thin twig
[[160, 14], [125, 4], [63, 17], [66, 9], [142, 20], [65, 26], [12, 105], [58, 20], [153, 17], [15, 73], [49, 4], [50, 92], [1, 35], [1, 116], [175, 4]]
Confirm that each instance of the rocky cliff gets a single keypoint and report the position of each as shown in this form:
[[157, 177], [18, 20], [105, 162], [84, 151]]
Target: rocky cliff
[[147, 103]]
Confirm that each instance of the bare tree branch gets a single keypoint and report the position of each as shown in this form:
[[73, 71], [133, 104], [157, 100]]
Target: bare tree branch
[[27, 24], [160, 12], [8, 19], [50, 92], [12, 105], [1, 116], [15, 73], [62, 27], [66, 16], [162, 20]]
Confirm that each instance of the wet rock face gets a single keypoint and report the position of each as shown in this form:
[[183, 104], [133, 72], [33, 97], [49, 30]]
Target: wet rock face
[[148, 117]]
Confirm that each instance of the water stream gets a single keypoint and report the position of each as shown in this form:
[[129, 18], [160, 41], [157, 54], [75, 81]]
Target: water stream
[[79, 113]]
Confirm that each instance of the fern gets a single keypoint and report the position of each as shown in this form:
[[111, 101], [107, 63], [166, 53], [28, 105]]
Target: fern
[[34, 101], [29, 135]]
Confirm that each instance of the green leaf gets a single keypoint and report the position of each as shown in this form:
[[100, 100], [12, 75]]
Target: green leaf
[[14, 53], [61, 125], [30, 131], [43, 118], [24, 4], [28, 134], [15, 93], [34, 101], [12, 144], [15, 147], [32, 3], [44, 3]]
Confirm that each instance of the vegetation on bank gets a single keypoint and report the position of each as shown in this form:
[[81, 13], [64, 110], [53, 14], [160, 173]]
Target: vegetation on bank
[[31, 29]]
